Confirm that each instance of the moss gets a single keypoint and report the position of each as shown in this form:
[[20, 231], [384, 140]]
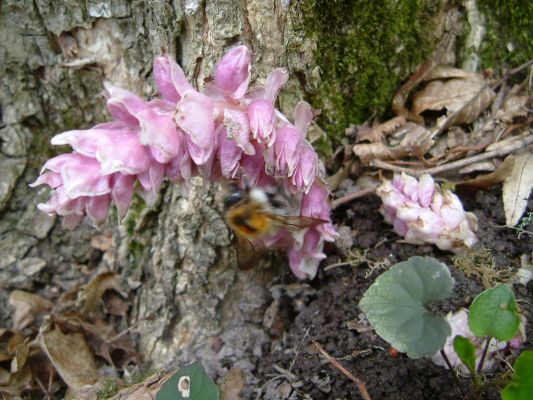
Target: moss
[[108, 389], [508, 21], [364, 50], [478, 263]]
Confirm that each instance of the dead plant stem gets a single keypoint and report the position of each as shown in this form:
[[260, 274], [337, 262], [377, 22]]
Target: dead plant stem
[[502, 151], [352, 196], [360, 384]]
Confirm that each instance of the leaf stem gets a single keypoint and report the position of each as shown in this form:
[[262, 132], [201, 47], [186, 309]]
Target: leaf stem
[[452, 370], [484, 354]]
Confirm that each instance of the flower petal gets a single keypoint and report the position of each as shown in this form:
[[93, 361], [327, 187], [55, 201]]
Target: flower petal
[[122, 104], [170, 78], [97, 208], [238, 129], [286, 145], [230, 155], [194, 115], [262, 120], [274, 82], [303, 116], [233, 72], [122, 193]]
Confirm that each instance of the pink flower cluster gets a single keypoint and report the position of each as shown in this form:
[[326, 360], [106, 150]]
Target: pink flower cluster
[[224, 132], [423, 213]]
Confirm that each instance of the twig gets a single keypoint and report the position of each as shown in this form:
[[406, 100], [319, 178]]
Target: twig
[[360, 384], [452, 371], [484, 354], [352, 196], [502, 151]]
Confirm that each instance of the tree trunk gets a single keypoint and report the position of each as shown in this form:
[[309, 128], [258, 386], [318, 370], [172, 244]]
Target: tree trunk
[[190, 301]]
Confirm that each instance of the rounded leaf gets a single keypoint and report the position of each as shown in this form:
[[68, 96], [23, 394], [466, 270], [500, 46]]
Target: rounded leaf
[[189, 383], [494, 313], [466, 352], [395, 305], [521, 386]]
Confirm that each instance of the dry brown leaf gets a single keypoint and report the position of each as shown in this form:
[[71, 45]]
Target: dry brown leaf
[[413, 138], [232, 385], [447, 72], [515, 106], [517, 188], [115, 305], [377, 133], [453, 95], [71, 357], [482, 166], [27, 307], [15, 373], [408, 139], [368, 152], [96, 287], [117, 350]]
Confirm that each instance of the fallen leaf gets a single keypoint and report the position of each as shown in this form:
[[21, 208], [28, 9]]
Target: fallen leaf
[[378, 132], [71, 357], [517, 187], [116, 349], [408, 139], [15, 373], [95, 289], [27, 307], [499, 175], [115, 305], [232, 385], [447, 72], [469, 97], [482, 166]]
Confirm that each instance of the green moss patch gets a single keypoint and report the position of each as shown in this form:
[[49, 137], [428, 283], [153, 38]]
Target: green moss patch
[[364, 50], [509, 38]]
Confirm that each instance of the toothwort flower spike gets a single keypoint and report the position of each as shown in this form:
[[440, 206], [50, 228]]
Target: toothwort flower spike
[[422, 212], [222, 132]]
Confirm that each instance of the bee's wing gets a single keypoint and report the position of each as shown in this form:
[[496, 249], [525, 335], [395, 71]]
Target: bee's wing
[[248, 253], [294, 223]]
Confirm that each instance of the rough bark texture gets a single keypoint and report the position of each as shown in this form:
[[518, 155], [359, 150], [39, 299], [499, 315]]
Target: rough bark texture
[[55, 56], [176, 258]]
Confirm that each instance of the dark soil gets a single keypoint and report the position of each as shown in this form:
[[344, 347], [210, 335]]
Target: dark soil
[[333, 310]]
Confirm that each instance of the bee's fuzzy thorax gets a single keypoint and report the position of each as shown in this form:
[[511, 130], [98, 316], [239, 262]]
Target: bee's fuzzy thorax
[[259, 196]]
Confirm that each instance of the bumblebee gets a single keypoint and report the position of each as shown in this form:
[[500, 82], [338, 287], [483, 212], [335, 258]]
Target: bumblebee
[[255, 214]]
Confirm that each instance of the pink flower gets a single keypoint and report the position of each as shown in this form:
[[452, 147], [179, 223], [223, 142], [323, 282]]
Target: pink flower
[[233, 73], [261, 110], [419, 212], [221, 132]]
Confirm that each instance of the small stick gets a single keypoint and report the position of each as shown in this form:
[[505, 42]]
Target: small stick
[[502, 151], [352, 196], [360, 384], [484, 354], [449, 364]]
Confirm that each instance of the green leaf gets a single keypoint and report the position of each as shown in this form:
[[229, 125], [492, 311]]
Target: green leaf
[[466, 351], [521, 387], [394, 305], [494, 313], [193, 378]]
